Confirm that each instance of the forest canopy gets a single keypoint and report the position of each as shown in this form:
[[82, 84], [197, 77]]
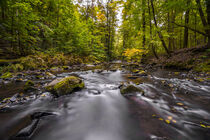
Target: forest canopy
[[102, 29]]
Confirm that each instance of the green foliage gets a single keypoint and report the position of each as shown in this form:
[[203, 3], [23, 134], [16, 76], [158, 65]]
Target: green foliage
[[134, 55], [53, 27], [203, 67]]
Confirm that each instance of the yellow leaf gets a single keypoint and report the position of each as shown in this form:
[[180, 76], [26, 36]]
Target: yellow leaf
[[153, 115], [202, 125], [170, 85], [208, 126], [161, 119], [174, 121], [167, 121], [176, 73], [43, 95], [181, 104]]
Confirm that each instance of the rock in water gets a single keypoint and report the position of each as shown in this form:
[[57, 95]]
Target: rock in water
[[65, 86], [29, 85], [130, 89]]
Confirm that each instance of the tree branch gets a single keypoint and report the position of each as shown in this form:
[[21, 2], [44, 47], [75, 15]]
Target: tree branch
[[203, 33]]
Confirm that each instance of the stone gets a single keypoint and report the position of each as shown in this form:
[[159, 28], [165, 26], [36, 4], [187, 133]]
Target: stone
[[65, 86], [50, 75], [130, 89], [142, 73], [29, 85], [7, 75]]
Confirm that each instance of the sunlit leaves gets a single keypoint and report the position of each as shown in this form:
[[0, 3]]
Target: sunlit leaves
[[134, 54]]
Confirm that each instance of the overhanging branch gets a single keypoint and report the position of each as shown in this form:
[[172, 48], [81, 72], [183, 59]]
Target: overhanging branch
[[190, 28]]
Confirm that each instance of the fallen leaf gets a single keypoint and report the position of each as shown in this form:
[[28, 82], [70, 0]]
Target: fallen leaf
[[161, 119], [181, 104], [170, 85], [43, 95], [153, 115], [167, 121], [174, 121], [202, 125]]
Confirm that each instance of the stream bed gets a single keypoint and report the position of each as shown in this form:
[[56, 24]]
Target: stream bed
[[172, 108]]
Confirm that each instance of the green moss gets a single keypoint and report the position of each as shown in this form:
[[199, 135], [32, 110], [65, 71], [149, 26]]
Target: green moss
[[66, 85], [135, 70], [142, 72], [203, 67], [130, 89], [65, 67], [6, 61], [7, 75], [29, 85]]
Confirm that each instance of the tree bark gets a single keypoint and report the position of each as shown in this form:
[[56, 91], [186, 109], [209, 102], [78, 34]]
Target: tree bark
[[159, 32], [195, 30], [203, 19], [151, 37], [186, 32], [144, 23]]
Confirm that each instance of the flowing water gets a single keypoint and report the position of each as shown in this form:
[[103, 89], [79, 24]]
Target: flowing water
[[172, 108]]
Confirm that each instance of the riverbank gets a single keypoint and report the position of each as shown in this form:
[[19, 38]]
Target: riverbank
[[188, 59]]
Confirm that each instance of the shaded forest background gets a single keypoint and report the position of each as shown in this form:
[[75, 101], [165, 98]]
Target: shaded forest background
[[102, 30]]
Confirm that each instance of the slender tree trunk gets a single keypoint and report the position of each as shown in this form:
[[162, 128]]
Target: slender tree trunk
[[159, 32], [143, 23], [186, 32], [12, 24], [108, 30], [203, 19], [169, 31], [180, 37], [208, 20], [151, 36], [172, 29], [195, 29]]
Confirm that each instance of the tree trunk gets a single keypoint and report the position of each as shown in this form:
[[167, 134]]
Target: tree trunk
[[144, 23], [195, 29], [151, 37], [208, 20], [203, 19], [186, 32], [159, 32]]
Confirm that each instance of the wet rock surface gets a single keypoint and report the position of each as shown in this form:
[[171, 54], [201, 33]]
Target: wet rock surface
[[65, 86], [159, 104]]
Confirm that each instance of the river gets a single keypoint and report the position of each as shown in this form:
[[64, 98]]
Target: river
[[172, 108]]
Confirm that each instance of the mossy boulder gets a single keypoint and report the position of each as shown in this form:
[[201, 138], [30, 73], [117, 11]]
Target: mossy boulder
[[29, 85], [130, 89], [7, 75], [142, 73], [65, 86]]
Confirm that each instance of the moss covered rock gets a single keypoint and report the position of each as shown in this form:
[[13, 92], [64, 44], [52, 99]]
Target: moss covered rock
[[142, 73], [65, 86], [130, 89], [29, 85], [7, 75]]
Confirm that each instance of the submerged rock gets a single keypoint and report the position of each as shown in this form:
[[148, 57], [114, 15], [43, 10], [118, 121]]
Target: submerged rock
[[130, 89], [65, 86]]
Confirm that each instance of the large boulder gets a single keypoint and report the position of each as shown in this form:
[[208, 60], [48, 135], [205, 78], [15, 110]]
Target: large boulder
[[65, 86], [129, 89]]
